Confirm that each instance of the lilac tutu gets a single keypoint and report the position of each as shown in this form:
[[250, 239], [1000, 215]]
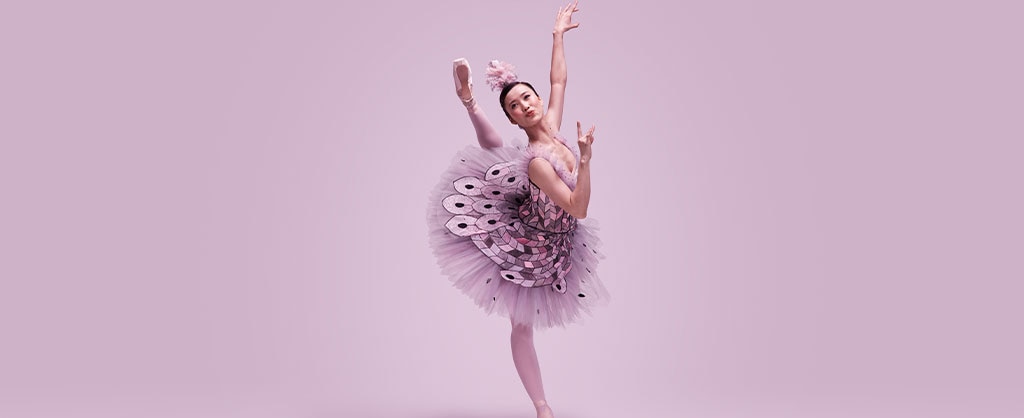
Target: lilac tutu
[[505, 244]]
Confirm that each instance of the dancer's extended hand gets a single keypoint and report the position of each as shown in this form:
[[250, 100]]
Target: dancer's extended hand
[[563, 21], [584, 142]]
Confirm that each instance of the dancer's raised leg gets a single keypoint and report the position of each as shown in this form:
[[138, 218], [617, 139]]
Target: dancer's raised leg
[[525, 357], [485, 132]]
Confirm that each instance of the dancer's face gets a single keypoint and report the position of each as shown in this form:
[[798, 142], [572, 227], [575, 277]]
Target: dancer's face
[[524, 107]]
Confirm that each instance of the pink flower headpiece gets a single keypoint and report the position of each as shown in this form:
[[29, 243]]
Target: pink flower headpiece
[[500, 74]]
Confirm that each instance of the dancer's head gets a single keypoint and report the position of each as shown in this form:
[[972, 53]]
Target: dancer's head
[[518, 99], [521, 103]]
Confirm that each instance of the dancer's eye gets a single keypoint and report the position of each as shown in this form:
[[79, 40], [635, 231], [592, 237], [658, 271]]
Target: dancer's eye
[[513, 106]]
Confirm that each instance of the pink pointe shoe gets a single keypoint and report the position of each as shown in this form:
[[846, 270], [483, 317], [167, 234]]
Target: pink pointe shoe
[[543, 410], [463, 82]]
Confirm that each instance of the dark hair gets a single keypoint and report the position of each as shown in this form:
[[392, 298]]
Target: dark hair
[[504, 92]]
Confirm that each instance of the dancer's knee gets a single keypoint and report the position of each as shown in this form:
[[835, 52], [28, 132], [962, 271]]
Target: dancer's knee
[[522, 332]]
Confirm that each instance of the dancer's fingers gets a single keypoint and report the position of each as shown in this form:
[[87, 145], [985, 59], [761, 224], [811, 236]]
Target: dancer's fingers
[[579, 129]]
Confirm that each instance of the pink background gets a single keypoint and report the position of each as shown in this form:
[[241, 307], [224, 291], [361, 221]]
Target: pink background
[[216, 209]]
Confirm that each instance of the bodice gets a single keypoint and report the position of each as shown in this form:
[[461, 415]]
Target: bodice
[[542, 213]]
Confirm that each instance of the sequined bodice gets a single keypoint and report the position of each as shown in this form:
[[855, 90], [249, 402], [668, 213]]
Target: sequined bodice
[[543, 214]]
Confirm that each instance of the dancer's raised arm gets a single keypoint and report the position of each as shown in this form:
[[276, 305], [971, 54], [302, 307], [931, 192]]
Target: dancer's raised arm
[[563, 23]]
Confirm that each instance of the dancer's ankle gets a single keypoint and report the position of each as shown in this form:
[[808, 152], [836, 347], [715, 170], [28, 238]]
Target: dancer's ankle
[[543, 410], [470, 104]]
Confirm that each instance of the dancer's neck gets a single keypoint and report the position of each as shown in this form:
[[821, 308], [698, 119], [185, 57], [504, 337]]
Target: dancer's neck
[[541, 134]]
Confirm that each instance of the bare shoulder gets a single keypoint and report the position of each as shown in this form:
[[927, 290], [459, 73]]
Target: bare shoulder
[[541, 171], [540, 166]]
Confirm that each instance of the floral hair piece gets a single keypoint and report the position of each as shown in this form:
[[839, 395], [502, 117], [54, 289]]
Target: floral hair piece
[[500, 74]]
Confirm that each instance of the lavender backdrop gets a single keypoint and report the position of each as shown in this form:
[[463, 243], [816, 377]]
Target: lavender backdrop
[[215, 209]]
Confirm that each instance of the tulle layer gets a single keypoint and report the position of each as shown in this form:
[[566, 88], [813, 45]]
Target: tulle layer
[[477, 276]]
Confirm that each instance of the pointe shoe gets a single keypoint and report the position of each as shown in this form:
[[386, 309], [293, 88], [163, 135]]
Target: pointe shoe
[[463, 82], [543, 410]]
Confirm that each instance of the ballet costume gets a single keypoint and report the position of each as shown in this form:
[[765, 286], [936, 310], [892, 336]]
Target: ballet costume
[[504, 243]]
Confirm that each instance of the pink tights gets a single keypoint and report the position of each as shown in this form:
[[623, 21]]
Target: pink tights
[[525, 358], [485, 133]]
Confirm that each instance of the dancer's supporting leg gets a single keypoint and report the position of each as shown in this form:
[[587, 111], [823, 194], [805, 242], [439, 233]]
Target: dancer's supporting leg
[[485, 132], [525, 357]]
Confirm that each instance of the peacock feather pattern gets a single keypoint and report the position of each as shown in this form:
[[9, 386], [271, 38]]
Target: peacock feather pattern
[[543, 258], [523, 232]]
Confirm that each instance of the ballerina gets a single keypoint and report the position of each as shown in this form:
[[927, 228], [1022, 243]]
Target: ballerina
[[507, 223]]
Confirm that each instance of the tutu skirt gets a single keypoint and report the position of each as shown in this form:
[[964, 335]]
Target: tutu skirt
[[507, 246]]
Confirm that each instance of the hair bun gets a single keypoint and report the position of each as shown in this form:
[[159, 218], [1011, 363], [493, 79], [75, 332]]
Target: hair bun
[[500, 74]]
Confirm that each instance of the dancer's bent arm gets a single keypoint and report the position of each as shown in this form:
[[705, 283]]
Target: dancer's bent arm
[[544, 176]]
